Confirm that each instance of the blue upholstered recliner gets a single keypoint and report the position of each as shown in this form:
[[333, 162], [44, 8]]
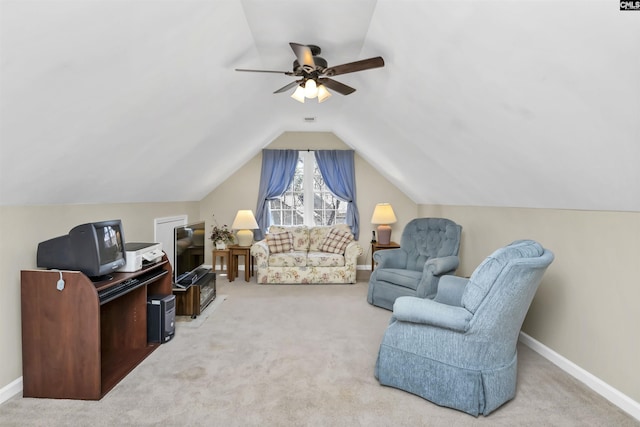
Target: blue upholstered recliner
[[428, 249], [459, 349]]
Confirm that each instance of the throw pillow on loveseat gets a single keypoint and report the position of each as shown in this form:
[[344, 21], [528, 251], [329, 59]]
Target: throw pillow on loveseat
[[322, 254]]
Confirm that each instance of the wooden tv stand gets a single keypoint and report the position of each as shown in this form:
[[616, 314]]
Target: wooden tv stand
[[74, 346], [192, 301]]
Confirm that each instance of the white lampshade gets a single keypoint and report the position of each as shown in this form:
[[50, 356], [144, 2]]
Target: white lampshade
[[244, 223], [323, 93], [383, 215], [298, 95], [310, 89]]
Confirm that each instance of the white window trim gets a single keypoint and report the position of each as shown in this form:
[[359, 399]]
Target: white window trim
[[309, 163], [308, 189]]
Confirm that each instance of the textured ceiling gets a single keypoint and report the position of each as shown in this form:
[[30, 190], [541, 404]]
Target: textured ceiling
[[487, 103]]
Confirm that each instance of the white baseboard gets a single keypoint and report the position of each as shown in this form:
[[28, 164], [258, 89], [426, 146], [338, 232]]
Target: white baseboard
[[614, 396], [10, 390]]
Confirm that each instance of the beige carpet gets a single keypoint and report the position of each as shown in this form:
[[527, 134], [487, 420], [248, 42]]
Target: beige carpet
[[290, 355], [189, 322]]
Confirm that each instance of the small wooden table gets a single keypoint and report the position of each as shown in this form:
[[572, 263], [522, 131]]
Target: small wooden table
[[375, 246], [236, 251], [223, 254]]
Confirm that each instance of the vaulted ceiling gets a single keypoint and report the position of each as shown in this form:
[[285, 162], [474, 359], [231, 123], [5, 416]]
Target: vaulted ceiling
[[487, 103]]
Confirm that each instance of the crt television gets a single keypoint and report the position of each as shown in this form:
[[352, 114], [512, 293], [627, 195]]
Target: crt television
[[96, 249], [188, 251]]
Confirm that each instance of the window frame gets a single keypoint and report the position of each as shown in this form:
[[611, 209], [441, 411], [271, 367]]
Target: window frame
[[309, 168]]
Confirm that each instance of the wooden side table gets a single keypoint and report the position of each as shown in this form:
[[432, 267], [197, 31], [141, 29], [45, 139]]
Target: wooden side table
[[236, 251], [375, 246], [223, 254]]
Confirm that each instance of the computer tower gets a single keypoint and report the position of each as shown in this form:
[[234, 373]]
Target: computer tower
[[161, 318]]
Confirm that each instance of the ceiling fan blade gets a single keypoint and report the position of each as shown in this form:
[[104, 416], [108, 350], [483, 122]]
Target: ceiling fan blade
[[288, 73], [365, 64], [337, 86], [304, 55], [289, 86]]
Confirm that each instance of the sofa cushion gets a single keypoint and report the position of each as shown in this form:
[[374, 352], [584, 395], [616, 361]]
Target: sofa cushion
[[279, 242], [289, 259], [318, 234], [325, 259], [336, 241], [300, 234]]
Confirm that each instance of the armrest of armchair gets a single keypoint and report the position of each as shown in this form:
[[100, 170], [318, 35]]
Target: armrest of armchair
[[429, 312], [431, 272], [450, 290], [391, 258], [442, 265]]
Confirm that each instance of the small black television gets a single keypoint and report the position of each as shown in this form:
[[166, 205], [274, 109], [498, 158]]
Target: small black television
[[96, 249], [188, 250]]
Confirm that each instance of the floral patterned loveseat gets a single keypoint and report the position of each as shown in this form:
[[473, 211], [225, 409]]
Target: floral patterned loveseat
[[301, 254]]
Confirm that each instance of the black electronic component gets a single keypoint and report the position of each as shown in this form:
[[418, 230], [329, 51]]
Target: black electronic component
[[126, 286], [161, 318]]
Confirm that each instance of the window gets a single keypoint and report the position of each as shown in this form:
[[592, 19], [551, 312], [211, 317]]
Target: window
[[308, 200]]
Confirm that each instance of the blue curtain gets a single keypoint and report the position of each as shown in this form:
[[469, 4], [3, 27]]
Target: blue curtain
[[278, 168], [338, 171]]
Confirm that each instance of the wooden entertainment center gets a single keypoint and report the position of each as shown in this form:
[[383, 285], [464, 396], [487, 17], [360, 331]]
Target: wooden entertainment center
[[192, 300], [76, 342]]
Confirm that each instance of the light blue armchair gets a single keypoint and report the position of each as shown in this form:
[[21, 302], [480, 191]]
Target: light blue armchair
[[459, 349], [428, 249]]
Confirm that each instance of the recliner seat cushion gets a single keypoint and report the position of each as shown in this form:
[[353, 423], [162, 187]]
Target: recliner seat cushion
[[405, 278]]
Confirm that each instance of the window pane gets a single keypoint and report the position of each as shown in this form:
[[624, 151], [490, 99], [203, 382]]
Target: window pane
[[290, 208]]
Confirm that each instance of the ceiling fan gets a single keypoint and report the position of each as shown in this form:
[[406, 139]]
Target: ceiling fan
[[315, 74]]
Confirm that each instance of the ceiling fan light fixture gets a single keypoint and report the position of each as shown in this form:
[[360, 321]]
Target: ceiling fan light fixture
[[298, 95], [323, 93], [311, 69], [310, 89]]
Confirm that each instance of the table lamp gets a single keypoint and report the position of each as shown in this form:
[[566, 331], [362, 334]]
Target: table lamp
[[245, 222], [383, 216]]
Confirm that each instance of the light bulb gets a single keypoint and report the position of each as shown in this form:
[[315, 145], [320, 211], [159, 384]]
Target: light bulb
[[310, 89]]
